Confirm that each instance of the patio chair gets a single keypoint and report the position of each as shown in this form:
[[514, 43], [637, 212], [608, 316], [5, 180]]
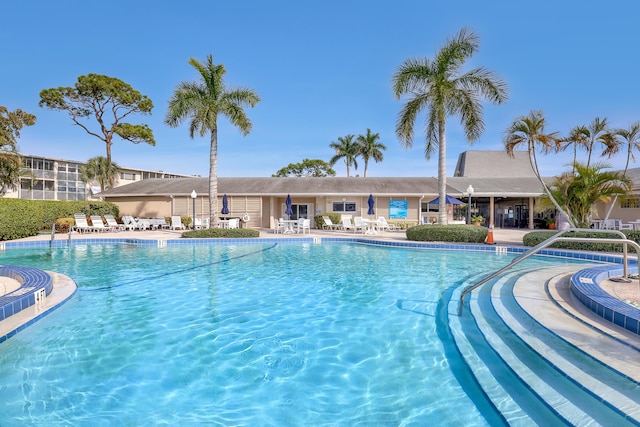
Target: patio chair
[[358, 224], [113, 224], [97, 224], [234, 223], [278, 226], [176, 223], [304, 224]]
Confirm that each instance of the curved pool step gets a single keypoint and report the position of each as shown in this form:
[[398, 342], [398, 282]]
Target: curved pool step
[[547, 379], [511, 396], [583, 348]]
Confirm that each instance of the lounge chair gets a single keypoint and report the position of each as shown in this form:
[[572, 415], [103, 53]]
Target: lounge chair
[[113, 224], [82, 225], [97, 224], [176, 223], [329, 225], [385, 226], [234, 223], [346, 223]]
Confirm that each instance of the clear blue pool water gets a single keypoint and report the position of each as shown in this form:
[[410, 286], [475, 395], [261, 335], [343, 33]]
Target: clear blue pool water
[[283, 335]]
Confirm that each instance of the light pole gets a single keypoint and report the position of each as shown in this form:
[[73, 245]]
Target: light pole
[[469, 192], [193, 221]]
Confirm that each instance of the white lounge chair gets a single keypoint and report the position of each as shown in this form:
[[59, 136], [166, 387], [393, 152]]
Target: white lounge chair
[[384, 225], [329, 225], [176, 223], [234, 223], [358, 224], [113, 224], [82, 225], [346, 223], [97, 224]]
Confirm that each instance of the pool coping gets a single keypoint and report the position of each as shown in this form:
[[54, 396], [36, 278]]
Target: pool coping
[[585, 283]]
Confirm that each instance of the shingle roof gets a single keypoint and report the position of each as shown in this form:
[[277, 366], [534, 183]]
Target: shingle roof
[[493, 164], [492, 173]]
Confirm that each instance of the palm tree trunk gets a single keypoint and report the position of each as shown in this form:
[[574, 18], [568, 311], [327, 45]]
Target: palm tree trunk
[[213, 179], [534, 164], [615, 198], [366, 165], [442, 174]]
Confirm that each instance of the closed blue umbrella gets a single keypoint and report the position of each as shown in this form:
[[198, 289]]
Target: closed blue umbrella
[[371, 203], [225, 205], [289, 211]]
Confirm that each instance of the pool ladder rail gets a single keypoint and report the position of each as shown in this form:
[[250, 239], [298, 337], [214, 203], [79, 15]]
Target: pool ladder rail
[[550, 241]]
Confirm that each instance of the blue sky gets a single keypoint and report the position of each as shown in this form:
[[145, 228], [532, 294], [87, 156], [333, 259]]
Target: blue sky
[[322, 69]]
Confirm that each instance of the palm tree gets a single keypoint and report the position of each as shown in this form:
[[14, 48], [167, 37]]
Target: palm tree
[[100, 169], [631, 138], [598, 132], [578, 192], [370, 148], [437, 86], [346, 148], [10, 171], [529, 131], [201, 102], [578, 138]]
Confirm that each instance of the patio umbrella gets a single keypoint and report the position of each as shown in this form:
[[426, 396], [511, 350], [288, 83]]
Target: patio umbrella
[[447, 201], [225, 205], [289, 211], [371, 203]]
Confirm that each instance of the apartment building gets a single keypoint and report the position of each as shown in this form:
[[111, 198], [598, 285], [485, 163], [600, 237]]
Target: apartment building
[[59, 179]]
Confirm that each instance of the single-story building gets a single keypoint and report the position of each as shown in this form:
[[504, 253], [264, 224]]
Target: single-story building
[[504, 191]]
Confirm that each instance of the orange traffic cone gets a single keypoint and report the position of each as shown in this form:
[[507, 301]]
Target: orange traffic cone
[[489, 240]]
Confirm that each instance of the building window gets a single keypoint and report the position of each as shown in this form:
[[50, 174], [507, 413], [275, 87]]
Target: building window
[[344, 206], [630, 203], [130, 176]]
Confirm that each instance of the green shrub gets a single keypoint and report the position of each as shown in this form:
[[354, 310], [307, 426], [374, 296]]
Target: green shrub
[[335, 218], [22, 218], [233, 233], [447, 233], [536, 237]]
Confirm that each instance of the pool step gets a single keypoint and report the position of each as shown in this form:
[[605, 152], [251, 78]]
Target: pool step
[[541, 366]]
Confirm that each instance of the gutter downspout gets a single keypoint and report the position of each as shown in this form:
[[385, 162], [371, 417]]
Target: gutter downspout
[[420, 210]]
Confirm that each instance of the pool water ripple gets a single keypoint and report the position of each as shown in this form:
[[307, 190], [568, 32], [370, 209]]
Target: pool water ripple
[[329, 334]]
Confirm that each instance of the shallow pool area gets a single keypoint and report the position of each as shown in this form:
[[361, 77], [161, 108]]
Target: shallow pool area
[[246, 334]]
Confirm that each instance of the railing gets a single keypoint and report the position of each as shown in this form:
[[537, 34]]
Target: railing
[[550, 241]]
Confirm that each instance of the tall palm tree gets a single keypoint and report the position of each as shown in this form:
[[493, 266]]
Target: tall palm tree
[[528, 131], [578, 138], [370, 148], [346, 148], [100, 169], [598, 132], [200, 103], [630, 138], [439, 87]]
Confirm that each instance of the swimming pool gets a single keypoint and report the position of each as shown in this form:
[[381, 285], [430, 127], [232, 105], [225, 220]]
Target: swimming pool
[[261, 334]]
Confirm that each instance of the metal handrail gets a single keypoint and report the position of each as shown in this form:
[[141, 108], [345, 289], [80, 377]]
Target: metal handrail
[[550, 241]]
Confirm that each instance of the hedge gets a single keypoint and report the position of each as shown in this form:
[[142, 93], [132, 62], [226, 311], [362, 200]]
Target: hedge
[[536, 237], [234, 233], [22, 218], [448, 233]]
